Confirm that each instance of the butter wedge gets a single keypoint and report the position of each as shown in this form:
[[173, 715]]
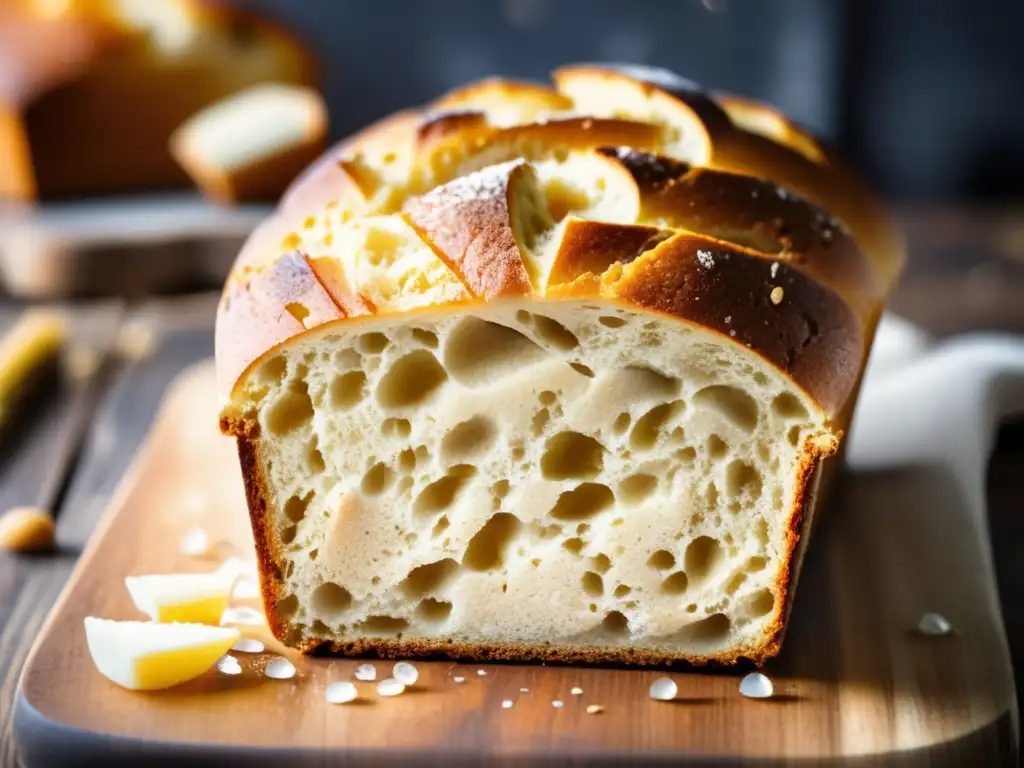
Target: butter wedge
[[147, 656], [189, 597]]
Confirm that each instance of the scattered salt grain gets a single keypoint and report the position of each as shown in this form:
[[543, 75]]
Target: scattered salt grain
[[482, 672], [557, 704], [577, 691], [228, 665], [756, 686], [595, 709], [248, 645], [194, 543], [706, 259], [280, 669], [776, 295], [664, 689], [341, 693], [242, 615], [507, 704], [390, 687], [934, 624], [775, 269], [405, 673], [366, 673], [458, 679]]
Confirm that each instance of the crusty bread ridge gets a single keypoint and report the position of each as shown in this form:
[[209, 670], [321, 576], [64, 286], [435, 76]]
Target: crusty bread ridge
[[550, 374]]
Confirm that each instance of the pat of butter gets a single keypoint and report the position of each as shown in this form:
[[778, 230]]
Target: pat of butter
[[188, 597], [147, 656]]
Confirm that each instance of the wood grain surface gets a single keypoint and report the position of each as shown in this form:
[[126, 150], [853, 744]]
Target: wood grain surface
[[854, 684]]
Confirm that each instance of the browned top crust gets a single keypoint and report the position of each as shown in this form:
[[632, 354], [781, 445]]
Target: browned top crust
[[628, 185]]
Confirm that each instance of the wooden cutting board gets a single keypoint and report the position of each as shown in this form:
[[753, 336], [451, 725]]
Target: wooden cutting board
[[855, 684]]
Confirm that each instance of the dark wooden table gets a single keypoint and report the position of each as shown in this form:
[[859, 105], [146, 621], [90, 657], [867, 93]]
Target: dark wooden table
[[966, 274]]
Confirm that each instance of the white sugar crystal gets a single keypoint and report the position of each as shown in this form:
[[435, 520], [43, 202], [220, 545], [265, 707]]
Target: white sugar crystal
[[507, 704], [194, 543], [934, 624], [757, 686], [557, 704], [280, 669], [245, 589], [577, 691], [243, 615], [664, 689], [482, 672], [706, 259], [341, 693], [459, 679], [248, 645], [405, 673], [366, 673], [228, 665], [524, 690], [390, 687]]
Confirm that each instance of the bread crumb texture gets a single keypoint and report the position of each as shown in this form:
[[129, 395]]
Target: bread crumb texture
[[516, 381]]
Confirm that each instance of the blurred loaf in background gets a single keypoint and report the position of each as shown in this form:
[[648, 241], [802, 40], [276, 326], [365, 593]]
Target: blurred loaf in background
[[92, 90]]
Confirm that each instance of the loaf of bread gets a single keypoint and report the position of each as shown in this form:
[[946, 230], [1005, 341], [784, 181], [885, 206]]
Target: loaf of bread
[[93, 89], [249, 146], [550, 374]]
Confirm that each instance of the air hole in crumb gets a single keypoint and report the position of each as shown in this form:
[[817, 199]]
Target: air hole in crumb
[[292, 409], [691, 608], [583, 502], [758, 604], [636, 488], [540, 421], [755, 564], [600, 562], [441, 494], [422, 453], [734, 404], [535, 562], [573, 545], [296, 506], [554, 333], [406, 461], [381, 625], [788, 406], [524, 317], [500, 489], [348, 358], [273, 370], [572, 455], [717, 447], [610, 321], [582, 528], [712, 629], [410, 380], [424, 337], [621, 424], [648, 427], [734, 582], [433, 610], [663, 560], [763, 452], [286, 607], [687, 455], [702, 557], [319, 628], [794, 436], [478, 352], [429, 578], [348, 389], [581, 368], [288, 534], [621, 591], [741, 479], [547, 397], [593, 584], [440, 526], [517, 452], [330, 600], [372, 343], [616, 623], [396, 427], [761, 531], [675, 584], [313, 554], [468, 439], [711, 495], [314, 459], [377, 479], [486, 550]]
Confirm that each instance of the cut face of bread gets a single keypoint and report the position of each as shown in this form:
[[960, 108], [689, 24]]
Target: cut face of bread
[[552, 481], [552, 376]]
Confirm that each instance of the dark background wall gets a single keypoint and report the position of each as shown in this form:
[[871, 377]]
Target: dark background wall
[[926, 95]]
